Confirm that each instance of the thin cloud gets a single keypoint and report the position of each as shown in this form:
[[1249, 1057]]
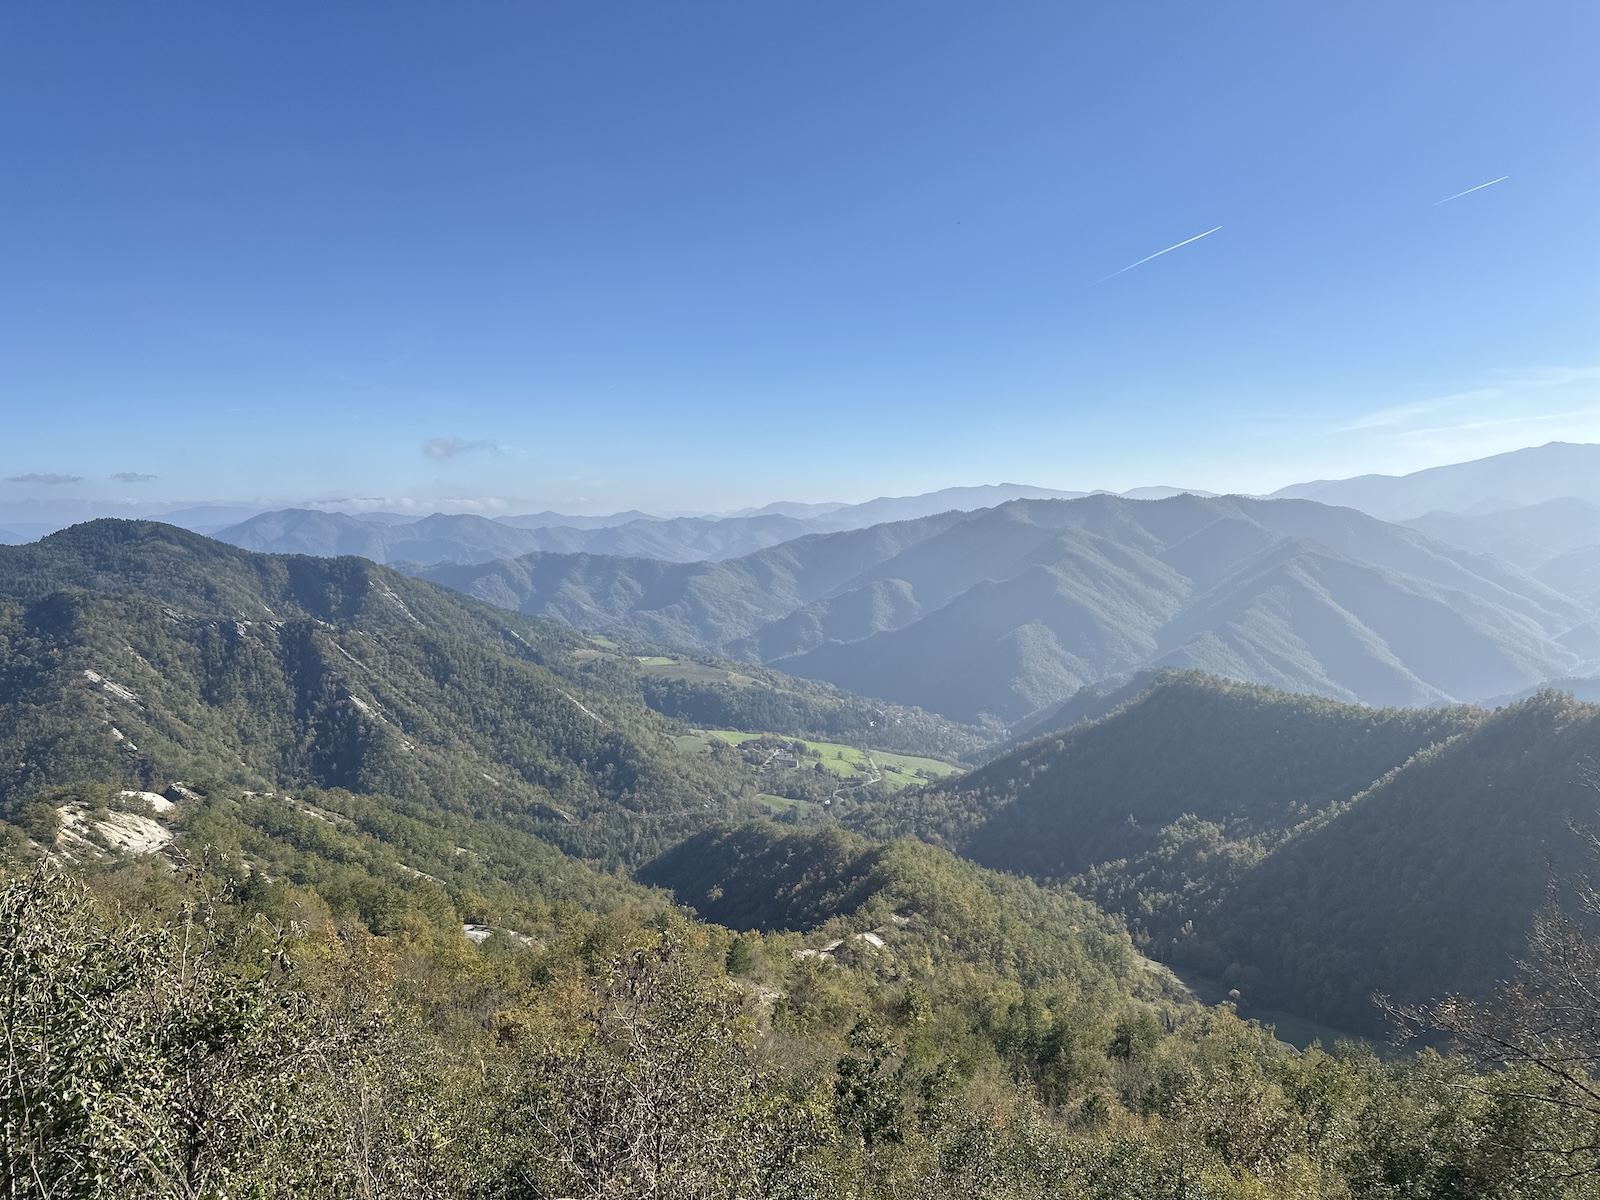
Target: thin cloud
[[49, 480], [1518, 409], [134, 477], [1524, 420], [1469, 191], [1159, 253], [450, 447], [1406, 416]]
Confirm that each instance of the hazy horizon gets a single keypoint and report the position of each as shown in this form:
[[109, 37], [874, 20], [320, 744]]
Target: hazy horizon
[[60, 510]]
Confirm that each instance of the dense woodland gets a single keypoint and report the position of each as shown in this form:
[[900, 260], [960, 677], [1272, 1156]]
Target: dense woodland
[[1304, 853], [213, 1031], [212, 664], [316, 880]]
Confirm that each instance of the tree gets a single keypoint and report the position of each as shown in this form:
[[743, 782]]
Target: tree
[[182, 1060], [1543, 1030], [866, 1092], [135, 1063], [652, 1089]]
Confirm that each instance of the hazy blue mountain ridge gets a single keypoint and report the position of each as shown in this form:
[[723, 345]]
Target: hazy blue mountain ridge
[[1525, 537], [466, 538], [709, 606], [1516, 479], [541, 520], [1576, 573], [1007, 611]]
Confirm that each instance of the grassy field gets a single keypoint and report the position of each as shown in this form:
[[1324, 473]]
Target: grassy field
[[664, 667], [779, 804], [853, 763]]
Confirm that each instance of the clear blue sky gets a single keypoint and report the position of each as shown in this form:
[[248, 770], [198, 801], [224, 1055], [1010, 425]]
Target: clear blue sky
[[690, 255]]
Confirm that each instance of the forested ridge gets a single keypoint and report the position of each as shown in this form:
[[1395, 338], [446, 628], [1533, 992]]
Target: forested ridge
[[139, 653], [1304, 853], [1253, 759], [1427, 882], [766, 878], [316, 880], [327, 673]]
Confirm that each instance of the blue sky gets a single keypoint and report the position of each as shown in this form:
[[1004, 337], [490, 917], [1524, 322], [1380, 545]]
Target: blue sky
[[681, 255]]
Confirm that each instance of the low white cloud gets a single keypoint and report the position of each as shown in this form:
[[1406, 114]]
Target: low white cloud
[[134, 477], [49, 480], [450, 447]]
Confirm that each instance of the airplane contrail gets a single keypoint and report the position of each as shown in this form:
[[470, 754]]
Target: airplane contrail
[[1159, 253], [1470, 190]]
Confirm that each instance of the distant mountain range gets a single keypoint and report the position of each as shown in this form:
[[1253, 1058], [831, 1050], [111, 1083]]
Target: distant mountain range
[[996, 603], [1517, 479], [1526, 507], [464, 538], [1557, 542], [30, 519], [1577, 573], [1005, 612]]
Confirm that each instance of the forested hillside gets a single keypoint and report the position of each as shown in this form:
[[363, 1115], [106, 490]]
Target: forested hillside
[[143, 654], [297, 1013], [916, 898], [1305, 853], [1427, 883], [138, 653], [1252, 761]]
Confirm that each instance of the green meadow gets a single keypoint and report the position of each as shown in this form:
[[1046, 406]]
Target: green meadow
[[663, 666], [899, 771]]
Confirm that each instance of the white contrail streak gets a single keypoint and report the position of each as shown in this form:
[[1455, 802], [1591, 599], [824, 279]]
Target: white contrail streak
[[1159, 253], [1469, 191]]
